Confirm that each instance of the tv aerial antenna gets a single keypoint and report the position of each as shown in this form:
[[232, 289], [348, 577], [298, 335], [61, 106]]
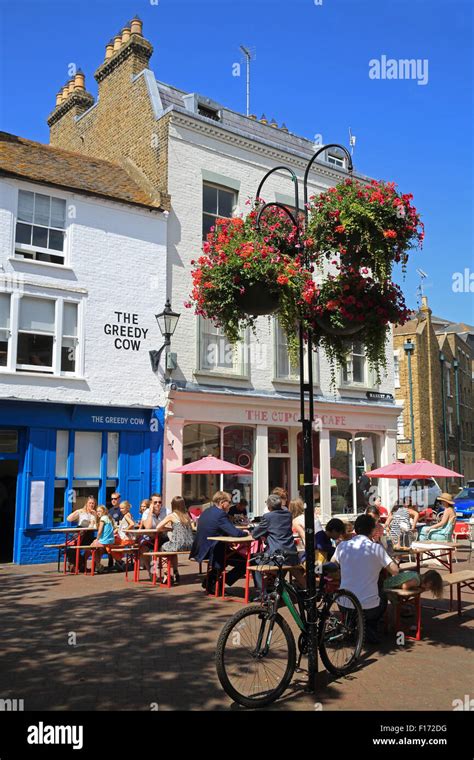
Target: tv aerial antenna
[[250, 55], [352, 141], [419, 291]]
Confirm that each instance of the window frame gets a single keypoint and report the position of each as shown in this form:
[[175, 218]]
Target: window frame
[[291, 379], [13, 367], [366, 382], [32, 249], [233, 191], [238, 371]]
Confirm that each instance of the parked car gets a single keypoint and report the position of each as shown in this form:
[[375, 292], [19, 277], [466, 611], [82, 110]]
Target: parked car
[[464, 504], [422, 491]]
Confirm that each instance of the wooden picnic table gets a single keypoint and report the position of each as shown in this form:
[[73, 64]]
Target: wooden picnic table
[[76, 546], [143, 532], [444, 557]]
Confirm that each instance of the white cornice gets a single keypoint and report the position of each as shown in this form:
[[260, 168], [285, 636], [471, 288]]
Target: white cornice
[[256, 144]]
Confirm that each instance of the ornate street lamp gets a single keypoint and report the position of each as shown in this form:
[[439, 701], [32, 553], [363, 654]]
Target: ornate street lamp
[[306, 401], [167, 322]]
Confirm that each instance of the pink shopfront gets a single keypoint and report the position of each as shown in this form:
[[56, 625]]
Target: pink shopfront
[[264, 434]]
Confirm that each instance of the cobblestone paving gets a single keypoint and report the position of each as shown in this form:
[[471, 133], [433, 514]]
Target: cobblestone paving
[[138, 646]]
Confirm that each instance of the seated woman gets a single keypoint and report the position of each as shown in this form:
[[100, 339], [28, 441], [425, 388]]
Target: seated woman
[[407, 579], [122, 538], [398, 522], [443, 529], [180, 532], [85, 517], [105, 535]]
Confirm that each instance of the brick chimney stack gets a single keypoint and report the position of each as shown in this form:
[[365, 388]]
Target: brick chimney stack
[[129, 51], [72, 99]]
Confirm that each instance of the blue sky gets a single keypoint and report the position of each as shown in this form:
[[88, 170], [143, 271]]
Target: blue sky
[[311, 72]]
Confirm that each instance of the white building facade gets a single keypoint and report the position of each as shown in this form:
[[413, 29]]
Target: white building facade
[[82, 275]]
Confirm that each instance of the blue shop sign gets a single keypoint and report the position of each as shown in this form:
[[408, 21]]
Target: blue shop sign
[[76, 416]]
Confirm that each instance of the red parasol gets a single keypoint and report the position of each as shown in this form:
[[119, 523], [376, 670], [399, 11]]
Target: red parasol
[[211, 466]]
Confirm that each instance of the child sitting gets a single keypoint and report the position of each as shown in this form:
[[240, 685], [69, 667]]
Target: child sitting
[[408, 579]]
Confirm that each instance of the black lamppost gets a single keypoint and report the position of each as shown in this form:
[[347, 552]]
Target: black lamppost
[[306, 401], [409, 348], [167, 322]]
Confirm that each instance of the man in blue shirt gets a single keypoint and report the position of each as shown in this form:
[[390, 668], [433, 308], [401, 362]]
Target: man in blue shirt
[[215, 521], [322, 540]]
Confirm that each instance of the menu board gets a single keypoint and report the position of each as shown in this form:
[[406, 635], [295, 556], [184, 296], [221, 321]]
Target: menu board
[[37, 502]]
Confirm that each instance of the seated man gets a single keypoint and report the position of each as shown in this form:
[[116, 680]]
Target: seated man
[[239, 509], [276, 527], [335, 529], [215, 521], [361, 561]]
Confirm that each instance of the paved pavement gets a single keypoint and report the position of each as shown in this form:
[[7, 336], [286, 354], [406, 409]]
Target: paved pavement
[[82, 643]]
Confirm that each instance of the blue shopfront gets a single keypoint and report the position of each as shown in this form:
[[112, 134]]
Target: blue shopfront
[[52, 456]]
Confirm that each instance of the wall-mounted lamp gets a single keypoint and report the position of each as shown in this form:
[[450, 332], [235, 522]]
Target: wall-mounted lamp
[[167, 322]]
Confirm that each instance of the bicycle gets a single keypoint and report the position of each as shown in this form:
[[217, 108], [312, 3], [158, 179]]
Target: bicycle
[[256, 651]]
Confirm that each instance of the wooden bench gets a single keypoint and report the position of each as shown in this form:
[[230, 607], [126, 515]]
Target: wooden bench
[[164, 556], [401, 598], [59, 547], [134, 552], [461, 579]]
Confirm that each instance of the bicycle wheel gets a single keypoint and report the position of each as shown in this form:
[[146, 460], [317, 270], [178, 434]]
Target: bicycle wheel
[[254, 667], [340, 632]]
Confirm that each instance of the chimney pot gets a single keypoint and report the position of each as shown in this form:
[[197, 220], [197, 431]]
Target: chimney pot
[[64, 93], [273, 124], [79, 81], [284, 128], [70, 86], [263, 119], [125, 34], [136, 26], [117, 42], [59, 98], [109, 49], [253, 116]]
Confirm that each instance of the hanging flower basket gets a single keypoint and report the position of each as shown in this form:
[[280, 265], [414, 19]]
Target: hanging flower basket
[[351, 304], [257, 301], [371, 226], [245, 272]]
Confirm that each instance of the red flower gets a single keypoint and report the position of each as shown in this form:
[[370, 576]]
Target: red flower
[[282, 279], [340, 228], [389, 234]]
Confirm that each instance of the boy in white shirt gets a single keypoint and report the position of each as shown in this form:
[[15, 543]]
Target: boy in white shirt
[[361, 561]]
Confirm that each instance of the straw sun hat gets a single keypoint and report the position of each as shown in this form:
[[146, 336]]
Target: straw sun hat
[[446, 497]]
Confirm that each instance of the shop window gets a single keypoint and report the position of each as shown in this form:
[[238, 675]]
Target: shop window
[[217, 202], [216, 354], [87, 454], [340, 447], [59, 501], [8, 441], [40, 228], [278, 441], [400, 425], [239, 448], [367, 458], [112, 454], [62, 449], [82, 489], [4, 328], [199, 440]]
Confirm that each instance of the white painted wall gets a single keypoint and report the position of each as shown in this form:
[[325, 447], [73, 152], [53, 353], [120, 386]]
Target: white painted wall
[[190, 152], [116, 262]]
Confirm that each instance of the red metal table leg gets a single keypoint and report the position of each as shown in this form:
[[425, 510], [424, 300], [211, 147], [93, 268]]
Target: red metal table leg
[[78, 551]]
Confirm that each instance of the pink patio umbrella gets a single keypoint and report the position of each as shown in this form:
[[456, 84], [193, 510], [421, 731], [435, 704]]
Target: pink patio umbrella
[[396, 470], [425, 469], [211, 466]]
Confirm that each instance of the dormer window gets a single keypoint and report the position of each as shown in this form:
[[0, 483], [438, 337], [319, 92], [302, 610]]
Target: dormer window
[[209, 113], [336, 160]]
